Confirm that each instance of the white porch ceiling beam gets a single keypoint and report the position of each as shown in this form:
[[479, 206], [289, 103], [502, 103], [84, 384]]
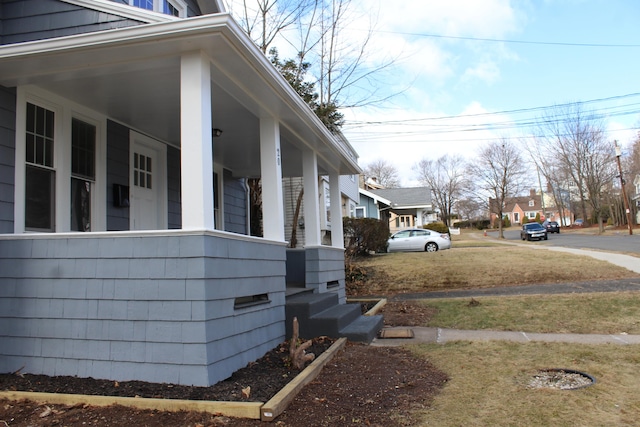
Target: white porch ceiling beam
[[196, 150]]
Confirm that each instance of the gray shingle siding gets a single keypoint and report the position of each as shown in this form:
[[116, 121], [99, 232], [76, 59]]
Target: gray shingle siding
[[151, 308], [7, 157], [117, 173], [28, 20]]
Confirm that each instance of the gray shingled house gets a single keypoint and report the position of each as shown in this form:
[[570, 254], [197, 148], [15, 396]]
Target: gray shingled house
[[128, 131]]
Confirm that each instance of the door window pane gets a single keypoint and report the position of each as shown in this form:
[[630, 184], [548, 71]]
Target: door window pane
[[39, 199], [80, 205]]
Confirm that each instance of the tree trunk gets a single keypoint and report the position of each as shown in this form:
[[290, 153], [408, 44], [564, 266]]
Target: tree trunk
[[294, 226], [297, 352]]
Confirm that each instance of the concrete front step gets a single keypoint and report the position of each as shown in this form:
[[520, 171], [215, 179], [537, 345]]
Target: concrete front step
[[321, 314], [363, 329]]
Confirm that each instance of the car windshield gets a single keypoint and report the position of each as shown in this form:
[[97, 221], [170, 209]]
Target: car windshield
[[533, 226]]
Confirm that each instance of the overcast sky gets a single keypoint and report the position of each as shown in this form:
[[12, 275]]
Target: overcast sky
[[469, 71]]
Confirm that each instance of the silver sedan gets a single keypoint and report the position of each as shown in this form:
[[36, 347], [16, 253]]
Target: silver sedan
[[418, 239]]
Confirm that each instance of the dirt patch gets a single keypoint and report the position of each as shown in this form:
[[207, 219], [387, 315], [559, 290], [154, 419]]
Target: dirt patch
[[363, 385], [406, 313]]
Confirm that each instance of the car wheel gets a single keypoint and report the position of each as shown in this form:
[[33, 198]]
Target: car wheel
[[528, 237], [431, 247]]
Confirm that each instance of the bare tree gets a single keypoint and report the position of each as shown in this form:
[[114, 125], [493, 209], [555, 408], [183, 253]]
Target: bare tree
[[469, 209], [264, 20], [383, 172], [573, 145], [447, 179], [498, 173]]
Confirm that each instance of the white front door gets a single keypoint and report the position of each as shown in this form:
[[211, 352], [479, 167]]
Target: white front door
[[148, 183]]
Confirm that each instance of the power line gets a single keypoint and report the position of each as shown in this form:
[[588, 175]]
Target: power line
[[514, 111], [440, 36]]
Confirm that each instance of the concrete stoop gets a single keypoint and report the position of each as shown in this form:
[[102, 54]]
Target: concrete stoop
[[322, 315]]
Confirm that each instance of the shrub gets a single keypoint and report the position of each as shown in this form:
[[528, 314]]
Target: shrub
[[440, 227], [364, 235], [506, 222]]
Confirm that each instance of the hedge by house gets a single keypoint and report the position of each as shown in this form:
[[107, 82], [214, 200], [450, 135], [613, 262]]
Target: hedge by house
[[365, 235]]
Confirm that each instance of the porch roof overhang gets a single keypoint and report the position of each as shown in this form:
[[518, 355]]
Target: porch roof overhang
[[132, 75], [374, 197]]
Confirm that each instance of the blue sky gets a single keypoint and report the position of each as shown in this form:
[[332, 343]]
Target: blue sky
[[574, 51]]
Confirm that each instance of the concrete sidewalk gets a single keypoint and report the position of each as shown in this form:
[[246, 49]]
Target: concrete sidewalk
[[440, 336]]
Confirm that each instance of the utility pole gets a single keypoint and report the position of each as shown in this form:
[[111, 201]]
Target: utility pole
[[624, 193]]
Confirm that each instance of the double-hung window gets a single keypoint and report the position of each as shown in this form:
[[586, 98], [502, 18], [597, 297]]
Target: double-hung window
[[168, 7], [40, 175]]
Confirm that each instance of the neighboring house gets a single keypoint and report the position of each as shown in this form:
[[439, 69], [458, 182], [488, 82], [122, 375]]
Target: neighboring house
[[348, 185], [410, 207], [517, 209], [373, 206], [127, 137]]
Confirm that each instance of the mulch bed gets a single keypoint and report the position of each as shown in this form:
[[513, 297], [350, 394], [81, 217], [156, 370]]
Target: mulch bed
[[265, 377], [362, 385]]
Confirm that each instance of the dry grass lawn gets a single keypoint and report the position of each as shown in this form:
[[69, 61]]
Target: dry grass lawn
[[488, 385], [589, 313], [468, 265]]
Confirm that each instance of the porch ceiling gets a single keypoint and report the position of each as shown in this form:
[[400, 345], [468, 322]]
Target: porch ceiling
[[132, 75]]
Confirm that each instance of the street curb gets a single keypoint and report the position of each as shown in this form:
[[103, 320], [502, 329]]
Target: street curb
[[252, 410]]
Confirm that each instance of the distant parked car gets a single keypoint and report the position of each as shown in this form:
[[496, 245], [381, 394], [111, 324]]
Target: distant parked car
[[551, 226], [532, 231], [578, 223], [418, 239]]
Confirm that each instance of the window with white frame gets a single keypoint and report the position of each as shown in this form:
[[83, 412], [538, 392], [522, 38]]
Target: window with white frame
[[361, 212], [168, 7], [531, 215], [60, 182], [40, 175], [532, 203], [404, 221]]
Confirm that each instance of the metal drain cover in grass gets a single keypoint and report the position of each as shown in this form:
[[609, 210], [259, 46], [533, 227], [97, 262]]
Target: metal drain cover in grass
[[396, 333], [561, 379]]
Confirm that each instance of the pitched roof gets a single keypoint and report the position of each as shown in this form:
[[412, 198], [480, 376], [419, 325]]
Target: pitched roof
[[414, 197]]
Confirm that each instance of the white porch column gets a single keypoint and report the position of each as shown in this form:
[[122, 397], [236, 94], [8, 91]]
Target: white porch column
[[337, 239], [196, 150], [311, 199], [271, 171]]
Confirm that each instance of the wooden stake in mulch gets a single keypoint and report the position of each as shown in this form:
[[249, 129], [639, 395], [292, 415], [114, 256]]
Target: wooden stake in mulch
[[297, 353]]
